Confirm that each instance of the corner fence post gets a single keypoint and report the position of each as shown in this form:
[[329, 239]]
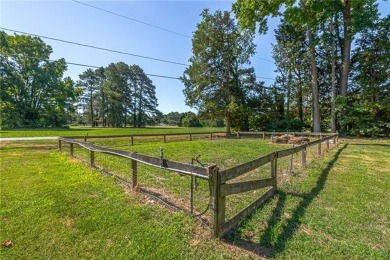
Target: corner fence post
[[304, 157], [92, 158], [218, 201], [59, 144], [134, 179], [274, 169]]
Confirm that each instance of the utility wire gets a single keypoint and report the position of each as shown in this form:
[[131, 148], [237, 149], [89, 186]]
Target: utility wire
[[95, 47], [257, 57], [264, 78], [145, 23], [97, 67], [132, 19], [79, 64]]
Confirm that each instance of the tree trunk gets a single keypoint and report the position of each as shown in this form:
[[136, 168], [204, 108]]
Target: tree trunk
[[346, 47], [333, 79], [314, 82], [140, 108], [300, 100], [288, 93], [91, 109], [125, 114], [228, 123]]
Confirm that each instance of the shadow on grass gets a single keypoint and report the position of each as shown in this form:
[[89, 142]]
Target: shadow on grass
[[268, 245], [384, 145]]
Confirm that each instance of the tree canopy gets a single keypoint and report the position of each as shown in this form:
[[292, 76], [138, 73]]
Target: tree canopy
[[334, 46], [33, 90], [215, 81]]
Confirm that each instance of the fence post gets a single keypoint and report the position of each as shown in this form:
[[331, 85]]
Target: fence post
[[132, 140], [165, 138], [263, 135], [319, 148], [71, 149], [85, 138], [327, 145], [274, 168], [59, 144], [190, 137], [134, 180], [238, 135], [218, 201], [304, 157], [92, 158]]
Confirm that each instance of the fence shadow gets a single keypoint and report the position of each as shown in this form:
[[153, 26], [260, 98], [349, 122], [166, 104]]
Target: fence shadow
[[265, 247]]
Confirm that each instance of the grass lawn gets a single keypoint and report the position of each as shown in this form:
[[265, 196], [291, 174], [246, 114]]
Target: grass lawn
[[52, 206], [91, 131]]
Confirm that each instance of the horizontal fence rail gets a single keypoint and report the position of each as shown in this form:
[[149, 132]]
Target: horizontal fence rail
[[133, 136], [201, 172], [238, 134], [222, 183], [221, 188]]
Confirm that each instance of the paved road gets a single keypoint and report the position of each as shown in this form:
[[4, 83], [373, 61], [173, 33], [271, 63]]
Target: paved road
[[28, 138]]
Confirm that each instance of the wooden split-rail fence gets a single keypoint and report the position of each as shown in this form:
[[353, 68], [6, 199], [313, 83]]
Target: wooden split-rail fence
[[219, 180], [164, 137]]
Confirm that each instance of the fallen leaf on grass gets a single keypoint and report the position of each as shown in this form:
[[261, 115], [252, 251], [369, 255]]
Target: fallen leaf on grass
[[7, 243]]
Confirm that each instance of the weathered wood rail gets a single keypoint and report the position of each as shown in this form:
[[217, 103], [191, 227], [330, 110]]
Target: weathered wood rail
[[163, 136], [221, 188], [265, 134], [188, 169], [220, 181]]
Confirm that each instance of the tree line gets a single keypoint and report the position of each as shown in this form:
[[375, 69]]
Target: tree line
[[333, 67], [118, 95], [333, 74], [34, 92]]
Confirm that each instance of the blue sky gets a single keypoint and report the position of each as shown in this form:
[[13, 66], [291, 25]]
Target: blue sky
[[72, 21]]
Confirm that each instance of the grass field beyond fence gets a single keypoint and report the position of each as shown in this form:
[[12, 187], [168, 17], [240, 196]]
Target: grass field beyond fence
[[54, 207], [93, 131]]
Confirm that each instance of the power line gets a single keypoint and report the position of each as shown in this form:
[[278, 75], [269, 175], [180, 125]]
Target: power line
[[257, 57], [108, 50], [145, 23], [80, 64], [132, 19], [264, 78], [95, 47]]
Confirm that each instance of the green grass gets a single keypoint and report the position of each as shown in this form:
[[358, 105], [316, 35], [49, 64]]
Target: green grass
[[91, 131], [340, 210], [52, 206]]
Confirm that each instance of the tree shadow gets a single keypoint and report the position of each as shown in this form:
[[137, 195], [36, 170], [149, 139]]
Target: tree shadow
[[384, 145], [268, 246]]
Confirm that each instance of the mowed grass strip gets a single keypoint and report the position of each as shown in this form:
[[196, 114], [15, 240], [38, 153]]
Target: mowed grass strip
[[91, 131], [54, 207], [339, 210]]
